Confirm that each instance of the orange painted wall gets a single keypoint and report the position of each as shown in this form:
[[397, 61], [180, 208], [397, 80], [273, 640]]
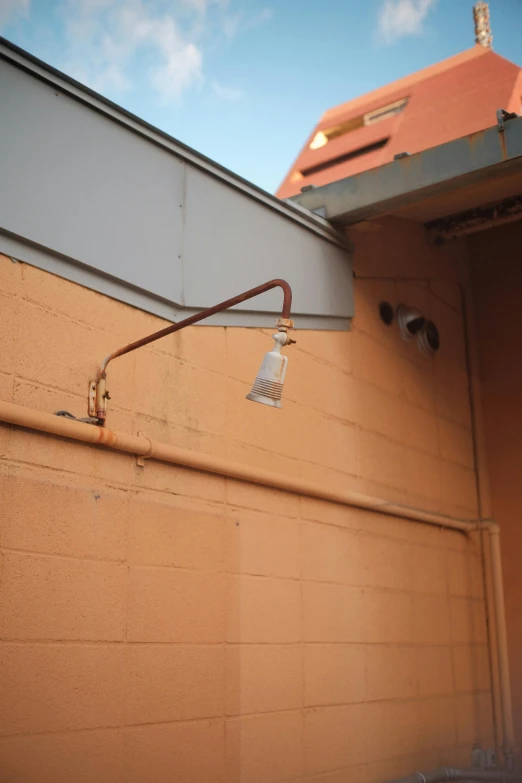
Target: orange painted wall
[[497, 284], [158, 624]]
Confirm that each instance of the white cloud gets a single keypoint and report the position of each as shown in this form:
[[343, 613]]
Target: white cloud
[[181, 64], [10, 9], [398, 18], [109, 40], [231, 24], [202, 5], [240, 21], [226, 93], [115, 46]]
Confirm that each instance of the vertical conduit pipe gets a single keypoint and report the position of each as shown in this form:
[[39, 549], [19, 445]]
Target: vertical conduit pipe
[[508, 743], [495, 604]]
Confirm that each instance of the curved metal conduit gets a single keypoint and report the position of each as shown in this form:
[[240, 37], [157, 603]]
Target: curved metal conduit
[[209, 311], [98, 405]]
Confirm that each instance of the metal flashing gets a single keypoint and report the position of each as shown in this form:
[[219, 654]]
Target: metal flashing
[[19, 57], [465, 161]]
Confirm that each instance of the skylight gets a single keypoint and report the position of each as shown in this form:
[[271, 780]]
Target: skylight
[[322, 137]]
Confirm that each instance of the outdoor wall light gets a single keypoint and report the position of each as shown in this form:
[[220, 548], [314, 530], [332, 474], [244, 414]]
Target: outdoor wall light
[[268, 385]]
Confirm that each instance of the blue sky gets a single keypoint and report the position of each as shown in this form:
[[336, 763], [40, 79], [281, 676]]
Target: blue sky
[[244, 81]]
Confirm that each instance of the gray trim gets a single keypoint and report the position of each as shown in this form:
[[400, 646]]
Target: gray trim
[[481, 156], [44, 72], [72, 270]]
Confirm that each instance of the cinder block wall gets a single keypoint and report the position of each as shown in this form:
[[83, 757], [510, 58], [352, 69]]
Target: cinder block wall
[[158, 624]]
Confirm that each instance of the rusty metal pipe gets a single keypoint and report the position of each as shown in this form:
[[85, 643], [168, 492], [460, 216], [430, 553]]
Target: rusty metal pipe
[[193, 319]]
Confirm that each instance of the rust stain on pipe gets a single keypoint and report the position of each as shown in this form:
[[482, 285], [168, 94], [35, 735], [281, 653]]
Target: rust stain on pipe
[[106, 437]]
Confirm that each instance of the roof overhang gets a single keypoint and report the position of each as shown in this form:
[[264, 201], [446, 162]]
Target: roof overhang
[[461, 175]]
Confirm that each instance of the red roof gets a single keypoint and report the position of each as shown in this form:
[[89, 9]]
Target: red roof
[[448, 100]]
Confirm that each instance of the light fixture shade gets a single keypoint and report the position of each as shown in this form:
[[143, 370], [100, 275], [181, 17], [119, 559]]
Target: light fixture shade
[[268, 385]]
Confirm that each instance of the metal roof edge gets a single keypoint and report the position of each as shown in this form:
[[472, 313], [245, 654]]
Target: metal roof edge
[[463, 161], [42, 70]]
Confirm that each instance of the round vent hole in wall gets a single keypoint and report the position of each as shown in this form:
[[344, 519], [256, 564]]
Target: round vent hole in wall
[[410, 321], [386, 313], [429, 338]]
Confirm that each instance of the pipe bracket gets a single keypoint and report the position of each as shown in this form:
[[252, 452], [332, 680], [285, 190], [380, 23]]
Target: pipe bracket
[[140, 458]]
